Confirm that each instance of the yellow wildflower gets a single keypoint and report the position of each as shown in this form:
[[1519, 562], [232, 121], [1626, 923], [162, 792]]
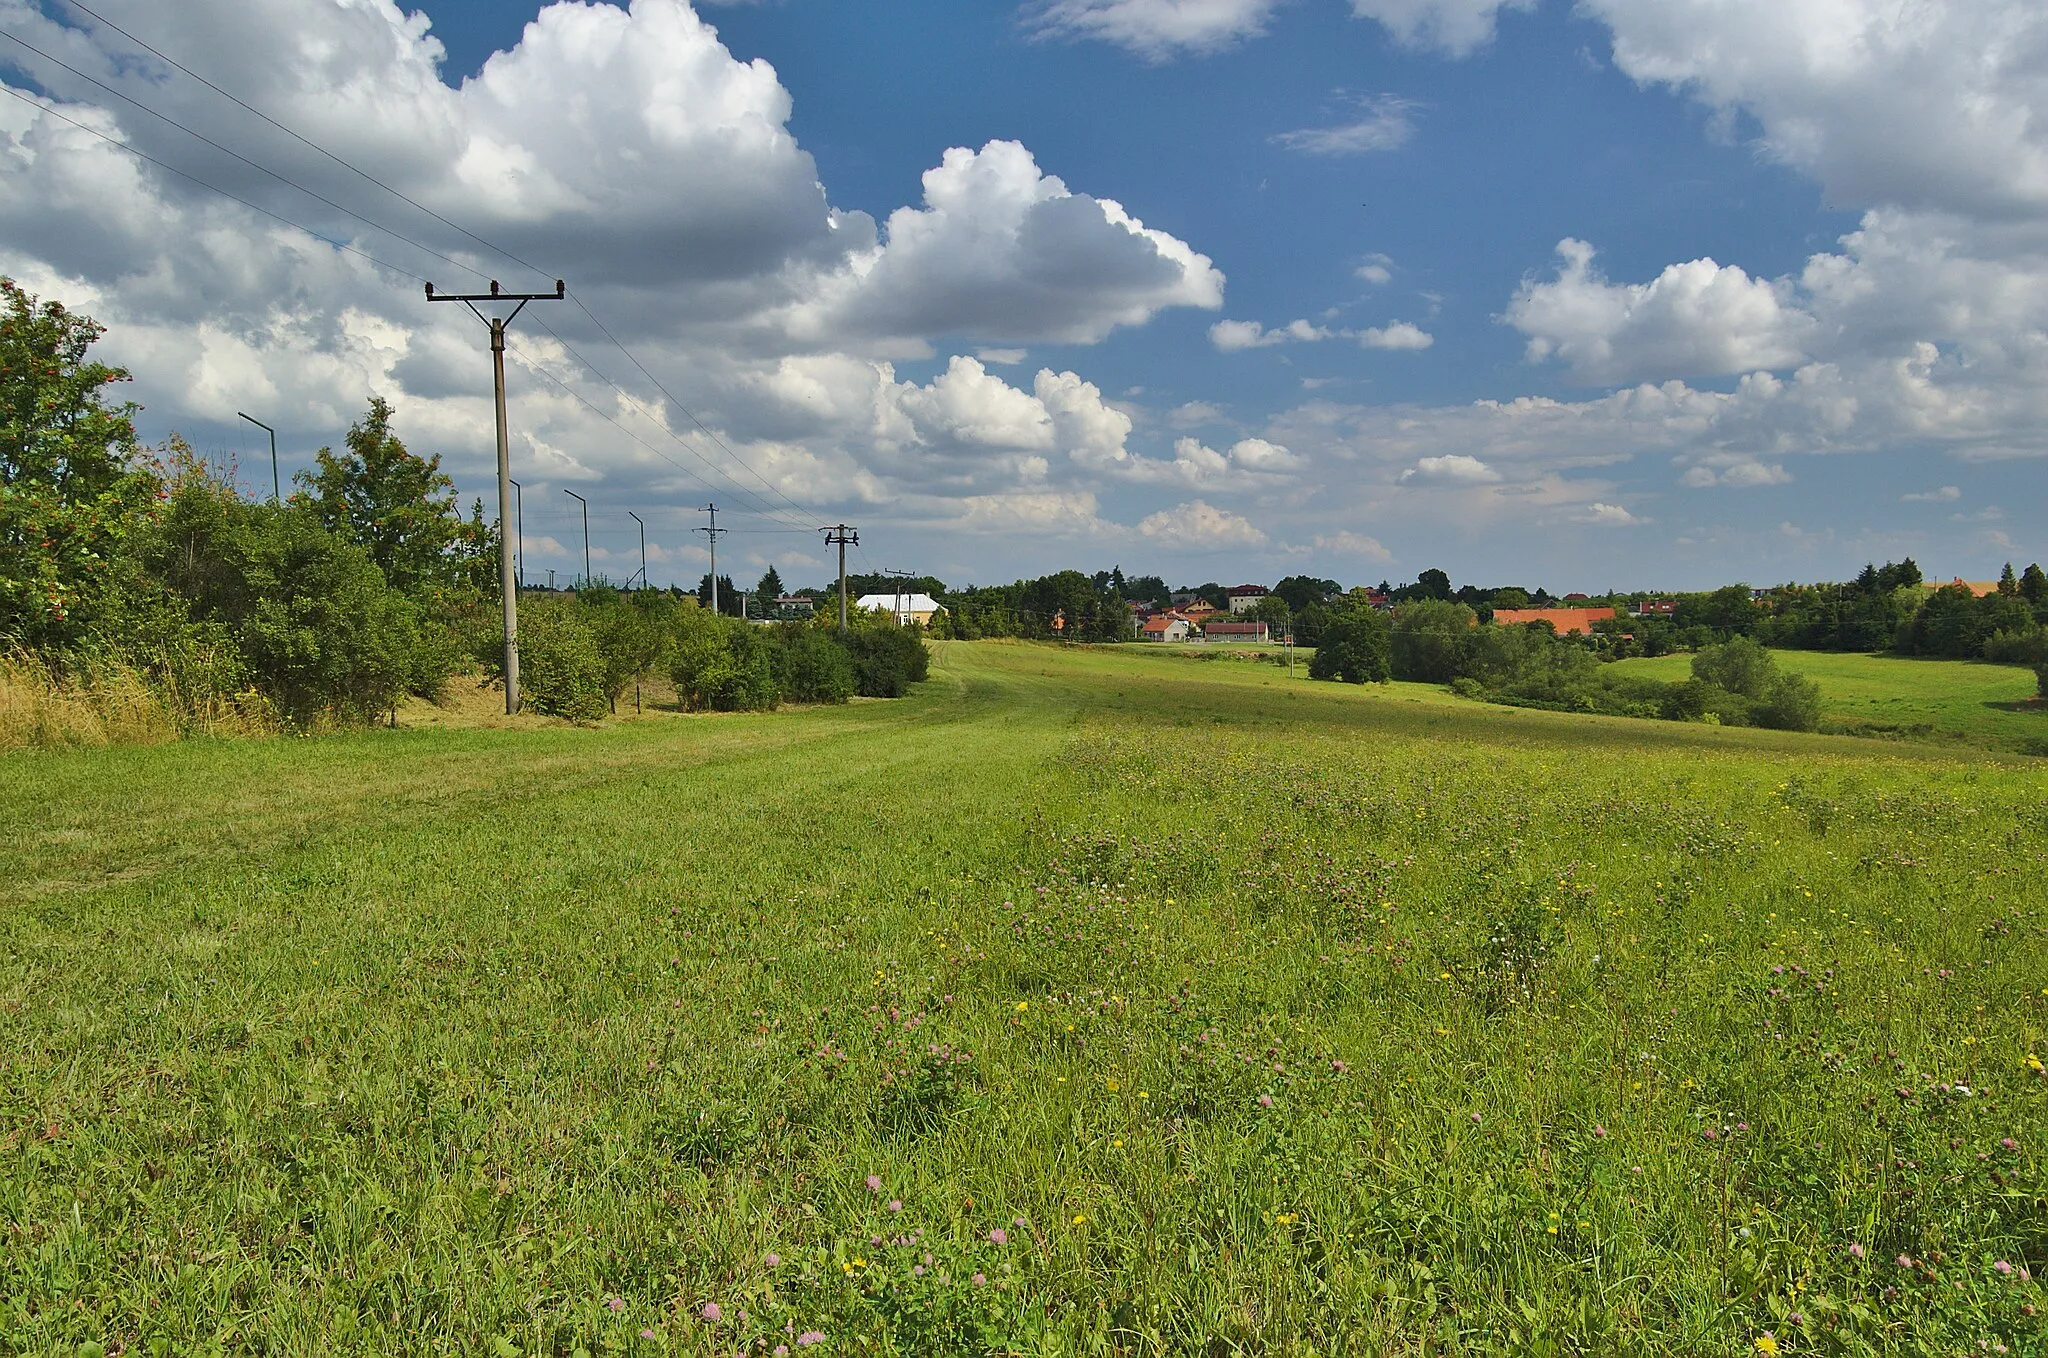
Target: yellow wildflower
[[1766, 1344]]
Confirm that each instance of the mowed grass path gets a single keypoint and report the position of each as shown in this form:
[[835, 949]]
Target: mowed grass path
[[1954, 700], [1083, 1002]]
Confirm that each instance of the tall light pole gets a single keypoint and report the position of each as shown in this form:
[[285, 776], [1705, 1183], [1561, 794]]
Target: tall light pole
[[275, 498], [643, 546], [586, 532], [508, 585], [519, 527]]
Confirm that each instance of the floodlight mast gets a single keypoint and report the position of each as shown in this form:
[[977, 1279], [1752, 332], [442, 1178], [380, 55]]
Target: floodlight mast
[[508, 585]]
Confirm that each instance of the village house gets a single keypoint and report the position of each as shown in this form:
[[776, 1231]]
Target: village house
[[1165, 627], [914, 608], [1653, 608], [1245, 598]]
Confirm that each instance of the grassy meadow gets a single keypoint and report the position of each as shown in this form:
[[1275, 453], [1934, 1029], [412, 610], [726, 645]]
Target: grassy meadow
[[1961, 701], [1083, 1002]]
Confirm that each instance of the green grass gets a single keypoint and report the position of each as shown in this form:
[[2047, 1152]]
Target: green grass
[[1262, 1017], [1954, 700]]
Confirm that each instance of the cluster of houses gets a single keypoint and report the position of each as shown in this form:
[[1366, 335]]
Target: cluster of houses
[[1190, 617]]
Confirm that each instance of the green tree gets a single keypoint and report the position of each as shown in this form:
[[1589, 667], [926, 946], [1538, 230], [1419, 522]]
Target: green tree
[[2008, 583], [2034, 585], [1304, 591], [1354, 648], [769, 590], [398, 507], [1429, 640], [1740, 666], [1791, 702], [72, 490], [1275, 613]]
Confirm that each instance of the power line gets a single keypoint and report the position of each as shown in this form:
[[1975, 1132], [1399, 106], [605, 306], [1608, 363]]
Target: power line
[[306, 141], [41, 107], [405, 198], [260, 169]]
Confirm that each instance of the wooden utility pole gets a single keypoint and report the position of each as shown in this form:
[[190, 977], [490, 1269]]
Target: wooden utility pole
[[508, 585]]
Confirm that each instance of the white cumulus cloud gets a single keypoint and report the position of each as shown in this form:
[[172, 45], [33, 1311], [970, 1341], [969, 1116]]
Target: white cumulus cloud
[[1458, 469], [1453, 26], [1199, 526], [1398, 335], [1695, 319]]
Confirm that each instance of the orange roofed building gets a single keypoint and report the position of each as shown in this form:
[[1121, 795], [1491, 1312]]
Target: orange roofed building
[[1565, 620]]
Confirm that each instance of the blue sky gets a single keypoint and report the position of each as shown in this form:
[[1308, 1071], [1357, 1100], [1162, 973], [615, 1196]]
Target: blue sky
[[1658, 293]]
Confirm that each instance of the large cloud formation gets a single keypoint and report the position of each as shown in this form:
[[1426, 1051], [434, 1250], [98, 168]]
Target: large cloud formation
[[625, 148]]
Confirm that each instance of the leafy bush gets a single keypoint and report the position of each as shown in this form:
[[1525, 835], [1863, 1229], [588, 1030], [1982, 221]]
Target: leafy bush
[[2018, 646], [560, 670], [1791, 703], [1354, 648], [720, 664], [812, 667], [887, 659]]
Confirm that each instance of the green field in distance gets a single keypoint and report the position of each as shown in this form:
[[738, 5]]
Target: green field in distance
[[1945, 700]]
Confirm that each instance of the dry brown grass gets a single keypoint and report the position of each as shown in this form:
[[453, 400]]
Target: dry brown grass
[[43, 707]]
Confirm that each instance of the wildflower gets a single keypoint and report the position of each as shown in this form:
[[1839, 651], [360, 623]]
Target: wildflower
[[981, 1280], [648, 1334], [1904, 1261], [874, 1183], [998, 1236], [711, 1312], [1018, 1223], [781, 1351], [772, 1260], [1795, 1318], [1022, 1005], [615, 1304], [895, 1204], [1599, 1131], [2002, 1269], [1475, 1117], [1856, 1251], [1080, 1221], [1265, 1100], [2008, 1143], [1766, 1343], [810, 1337]]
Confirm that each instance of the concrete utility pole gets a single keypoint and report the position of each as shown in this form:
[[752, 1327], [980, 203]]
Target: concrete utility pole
[[586, 532], [712, 533], [275, 498], [643, 546], [508, 584], [519, 526], [842, 534]]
